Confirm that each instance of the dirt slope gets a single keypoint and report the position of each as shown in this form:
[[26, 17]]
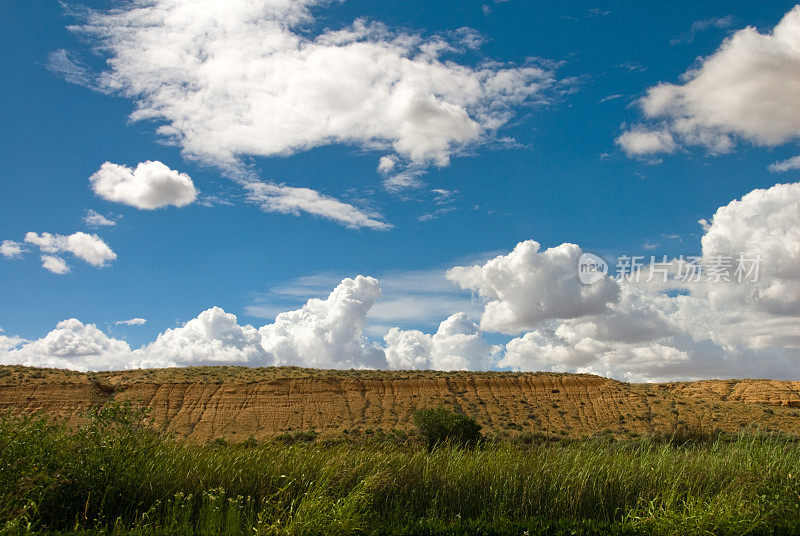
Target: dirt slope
[[204, 403]]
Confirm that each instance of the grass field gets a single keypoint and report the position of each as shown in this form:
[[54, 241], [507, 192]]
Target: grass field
[[113, 476]]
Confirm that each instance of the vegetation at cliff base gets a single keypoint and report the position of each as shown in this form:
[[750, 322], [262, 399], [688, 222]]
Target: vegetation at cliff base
[[115, 476]]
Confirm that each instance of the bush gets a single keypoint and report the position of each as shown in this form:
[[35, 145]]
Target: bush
[[438, 426]]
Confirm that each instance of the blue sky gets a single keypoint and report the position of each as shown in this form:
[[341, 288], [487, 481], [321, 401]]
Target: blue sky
[[554, 171]]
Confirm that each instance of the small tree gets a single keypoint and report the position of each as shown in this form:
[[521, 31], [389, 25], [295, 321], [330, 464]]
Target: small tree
[[440, 425]]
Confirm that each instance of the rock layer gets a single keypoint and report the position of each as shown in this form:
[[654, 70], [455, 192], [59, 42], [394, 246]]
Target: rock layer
[[237, 403]]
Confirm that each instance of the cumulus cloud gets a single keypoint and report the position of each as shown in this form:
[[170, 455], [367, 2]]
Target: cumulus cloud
[[713, 327], [11, 250], [746, 90], [763, 226], [327, 333], [528, 286], [290, 200], [324, 333], [87, 247], [54, 264], [95, 219], [625, 328], [71, 345], [456, 345], [149, 186], [213, 338], [241, 78], [646, 142]]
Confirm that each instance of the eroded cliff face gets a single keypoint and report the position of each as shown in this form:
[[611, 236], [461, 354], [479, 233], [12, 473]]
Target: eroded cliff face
[[208, 403]]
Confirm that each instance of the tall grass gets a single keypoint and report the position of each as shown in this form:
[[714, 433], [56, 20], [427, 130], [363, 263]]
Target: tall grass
[[113, 476]]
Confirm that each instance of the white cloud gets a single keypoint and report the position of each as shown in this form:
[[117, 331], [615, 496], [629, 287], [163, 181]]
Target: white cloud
[[95, 219], [213, 338], [646, 142], [290, 200], [785, 165], [712, 328], [528, 286], [54, 264], [11, 250], [132, 322], [324, 333], [327, 333], [71, 345], [9, 343], [409, 298], [763, 224], [89, 248], [456, 345], [746, 90], [150, 186], [238, 78], [387, 163], [625, 329]]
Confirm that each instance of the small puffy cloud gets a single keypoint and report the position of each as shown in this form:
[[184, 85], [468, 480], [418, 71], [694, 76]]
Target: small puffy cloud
[[745, 90], [387, 163], [528, 286], [149, 186], [638, 142], [54, 264], [785, 165], [72, 345], [87, 247], [132, 322], [456, 345], [95, 219], [290, 200], [240, 78], [11, 250]]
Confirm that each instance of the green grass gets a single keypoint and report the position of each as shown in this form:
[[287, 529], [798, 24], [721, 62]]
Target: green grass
[[113, 476]]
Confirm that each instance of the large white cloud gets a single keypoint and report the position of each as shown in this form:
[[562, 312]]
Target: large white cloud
[[71, 345], [242, 77], [527, 286], [213, 338], [746, 90], [149, 186], [456, 345], [291, 200], [323, 333], [763, 226], [712, 327], [670, 329], [327, 333]]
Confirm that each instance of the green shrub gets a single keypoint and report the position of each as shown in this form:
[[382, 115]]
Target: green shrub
[[439, 426]]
